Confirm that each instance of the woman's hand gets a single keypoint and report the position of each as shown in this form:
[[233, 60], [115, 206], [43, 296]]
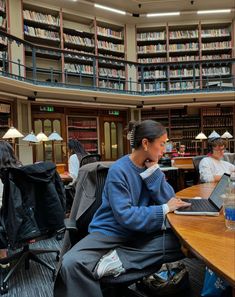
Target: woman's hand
[[175, 203], [149, 163]]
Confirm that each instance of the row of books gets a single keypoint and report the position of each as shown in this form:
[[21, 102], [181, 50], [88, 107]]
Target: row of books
[[218, 122], [111, 85], [110, 46], [146, 36], [214, 111], [152, 60], [91, 124], [41, 17], [191, 134], [78, 40], [183, 58], [85, 134], [184, 46], [152, 48], [216, 71], [215, 32], [180, 34], [153, 74], [150, 87], [184, 85], [217, 45], [183, 72], [78, 68], [109, 32], [41, 33], [183, 34], [117, 73]]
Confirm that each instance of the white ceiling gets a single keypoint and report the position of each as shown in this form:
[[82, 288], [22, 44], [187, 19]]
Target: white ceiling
[[141, 7]]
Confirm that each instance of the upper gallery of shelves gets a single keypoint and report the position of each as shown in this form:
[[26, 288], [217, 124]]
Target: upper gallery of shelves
[[156, 43]]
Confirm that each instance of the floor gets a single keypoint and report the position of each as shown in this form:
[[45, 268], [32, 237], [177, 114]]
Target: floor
[[38, 282]]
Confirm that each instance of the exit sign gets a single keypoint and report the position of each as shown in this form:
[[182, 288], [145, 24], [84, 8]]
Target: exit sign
[[47, 108], [114, 112]]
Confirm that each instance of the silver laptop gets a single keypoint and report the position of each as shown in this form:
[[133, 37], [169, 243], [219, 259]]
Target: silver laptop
[[210, 206]]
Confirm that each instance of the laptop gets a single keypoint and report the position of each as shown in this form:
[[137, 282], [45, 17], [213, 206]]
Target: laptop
[[210, 206]]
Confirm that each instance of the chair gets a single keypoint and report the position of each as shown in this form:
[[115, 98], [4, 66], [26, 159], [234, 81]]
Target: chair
[[33, 209], [88, 197], [196, 161], [90, 159]]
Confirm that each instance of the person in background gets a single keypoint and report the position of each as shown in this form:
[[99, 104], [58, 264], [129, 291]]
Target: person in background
[[211, 168], [128, 230], [76, 152], [7, 159], [181, 152]]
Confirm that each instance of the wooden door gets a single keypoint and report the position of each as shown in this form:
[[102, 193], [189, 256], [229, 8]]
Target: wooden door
[[112, 139], [50, 150]]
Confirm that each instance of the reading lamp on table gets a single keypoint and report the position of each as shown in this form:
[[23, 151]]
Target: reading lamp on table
[[12, 133], [228, 137], [199, 138]]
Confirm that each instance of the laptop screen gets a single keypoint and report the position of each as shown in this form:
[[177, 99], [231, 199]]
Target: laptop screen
[[219, 190]]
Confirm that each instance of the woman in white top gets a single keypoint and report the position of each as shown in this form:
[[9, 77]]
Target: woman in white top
[[7, 159], [213, 167], [76, 152]]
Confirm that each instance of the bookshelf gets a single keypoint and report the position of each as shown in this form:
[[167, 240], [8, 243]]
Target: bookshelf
[[3, 42], [85, 130], [216, 43], [219, 119], [42, 27], [152, 48], [182, 43], [110, 40], [184, 124], [79, 39]]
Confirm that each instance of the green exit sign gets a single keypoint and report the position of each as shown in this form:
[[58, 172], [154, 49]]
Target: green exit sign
[[114, 112], [47, 108]]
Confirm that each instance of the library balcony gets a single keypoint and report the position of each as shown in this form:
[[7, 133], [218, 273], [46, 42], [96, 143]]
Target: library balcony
[[44, 65]]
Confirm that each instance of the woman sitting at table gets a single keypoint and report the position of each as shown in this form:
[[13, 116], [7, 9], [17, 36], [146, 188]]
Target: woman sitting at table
[[213, 167], [126, 231]]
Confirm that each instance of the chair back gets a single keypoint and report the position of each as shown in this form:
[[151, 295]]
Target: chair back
[[90, 159], [88, 195], [196, 162]]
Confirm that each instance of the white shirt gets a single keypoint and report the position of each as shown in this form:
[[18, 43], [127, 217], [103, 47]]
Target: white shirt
[[209, 167], [74, 165]]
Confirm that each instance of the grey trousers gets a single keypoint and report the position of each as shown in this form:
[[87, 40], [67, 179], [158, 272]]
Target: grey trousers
[[76, 275]]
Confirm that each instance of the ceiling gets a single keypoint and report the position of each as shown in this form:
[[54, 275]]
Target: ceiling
[[141, 7]]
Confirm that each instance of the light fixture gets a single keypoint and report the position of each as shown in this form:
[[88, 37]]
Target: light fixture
[[201, 136], [12, 133], [214, 134], [31, 138], [42, 137], [227, 135], [149, 15], [55, 136], [214, 11], [109, 9]]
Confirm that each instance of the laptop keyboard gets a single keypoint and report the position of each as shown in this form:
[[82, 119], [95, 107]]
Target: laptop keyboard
[[199, 205]]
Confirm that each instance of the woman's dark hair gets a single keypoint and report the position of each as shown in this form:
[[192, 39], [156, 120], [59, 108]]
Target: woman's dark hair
[[213, 142], [148, 129], [7, 156], [75, 147]]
